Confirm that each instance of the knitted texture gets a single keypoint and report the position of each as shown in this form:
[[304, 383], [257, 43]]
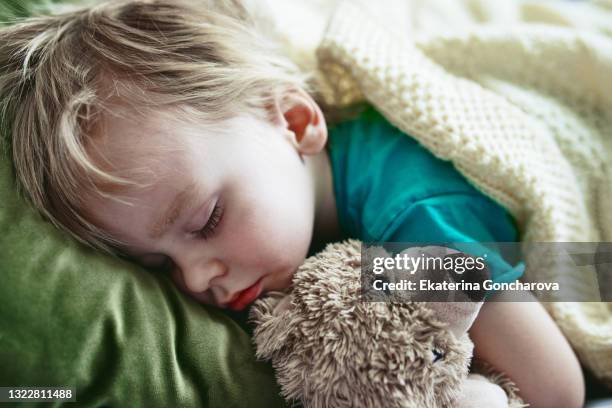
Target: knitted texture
[[523, 113]]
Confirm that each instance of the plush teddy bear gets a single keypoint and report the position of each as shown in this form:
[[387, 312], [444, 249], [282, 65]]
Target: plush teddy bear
[[332, 348]]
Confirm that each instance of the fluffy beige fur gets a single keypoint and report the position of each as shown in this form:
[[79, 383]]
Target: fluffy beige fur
[[331, 349]]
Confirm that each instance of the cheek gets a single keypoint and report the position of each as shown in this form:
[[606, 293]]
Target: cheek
[[273, 210], [270, 234]]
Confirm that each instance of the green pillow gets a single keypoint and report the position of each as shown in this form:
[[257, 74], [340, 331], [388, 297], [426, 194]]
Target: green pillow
[[70, 316], [119, 335]]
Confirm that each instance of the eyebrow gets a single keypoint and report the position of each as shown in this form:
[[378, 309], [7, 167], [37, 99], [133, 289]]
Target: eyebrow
[[173, 212]]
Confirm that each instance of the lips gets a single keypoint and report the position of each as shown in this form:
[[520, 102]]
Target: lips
[[246, 296]]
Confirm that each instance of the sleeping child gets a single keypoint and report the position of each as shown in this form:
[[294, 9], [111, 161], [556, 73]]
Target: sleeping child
[[178, 135]]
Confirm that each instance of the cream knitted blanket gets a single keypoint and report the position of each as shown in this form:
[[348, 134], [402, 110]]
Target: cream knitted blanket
[[523, 111]]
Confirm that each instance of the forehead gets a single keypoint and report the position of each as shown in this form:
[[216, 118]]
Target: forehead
[[162, 153], [145, 149], [127, 133], [125, 138]]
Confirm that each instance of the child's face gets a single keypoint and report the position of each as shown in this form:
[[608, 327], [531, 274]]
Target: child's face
[[225, 211]]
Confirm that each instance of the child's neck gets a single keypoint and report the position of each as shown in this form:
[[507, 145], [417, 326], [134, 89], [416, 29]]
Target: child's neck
[[326, 227]]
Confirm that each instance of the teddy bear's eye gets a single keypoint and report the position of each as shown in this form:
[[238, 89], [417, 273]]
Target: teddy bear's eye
[[438, 355]]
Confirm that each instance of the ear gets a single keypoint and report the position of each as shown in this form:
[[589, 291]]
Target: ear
[[302, 119]]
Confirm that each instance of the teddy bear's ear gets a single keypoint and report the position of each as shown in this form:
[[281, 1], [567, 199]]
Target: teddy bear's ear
[[458, 315], [273, 323], [456, 308]]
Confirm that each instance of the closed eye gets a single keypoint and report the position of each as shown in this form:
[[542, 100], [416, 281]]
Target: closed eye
[[209, 229]]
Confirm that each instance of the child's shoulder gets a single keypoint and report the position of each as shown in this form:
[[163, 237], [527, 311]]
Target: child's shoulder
[[381, 172], [369, 148]]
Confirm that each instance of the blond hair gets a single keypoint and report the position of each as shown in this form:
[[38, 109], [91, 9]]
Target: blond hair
[[208, 55]]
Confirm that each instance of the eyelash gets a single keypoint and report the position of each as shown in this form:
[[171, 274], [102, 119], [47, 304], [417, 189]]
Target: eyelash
[[209, 229]]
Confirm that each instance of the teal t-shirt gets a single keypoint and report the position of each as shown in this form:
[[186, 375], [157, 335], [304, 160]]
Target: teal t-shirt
[[389, 188]]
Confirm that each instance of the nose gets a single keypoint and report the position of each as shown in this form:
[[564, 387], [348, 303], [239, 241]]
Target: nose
[[197, 277]]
